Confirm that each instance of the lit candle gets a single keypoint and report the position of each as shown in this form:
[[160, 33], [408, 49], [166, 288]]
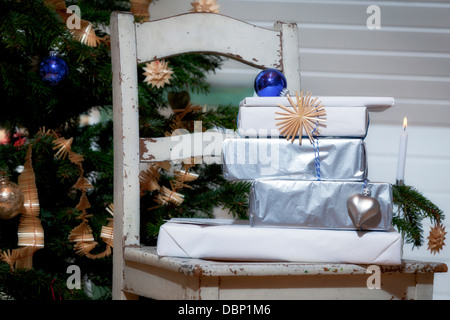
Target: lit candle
[[402, 154]]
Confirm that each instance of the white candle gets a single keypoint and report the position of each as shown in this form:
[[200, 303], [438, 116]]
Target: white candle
[[402, 152]]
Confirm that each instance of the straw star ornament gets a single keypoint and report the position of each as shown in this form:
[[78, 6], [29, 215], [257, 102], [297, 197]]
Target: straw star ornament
[[306, 115], [436, 238], [157, 73], [205, 6]]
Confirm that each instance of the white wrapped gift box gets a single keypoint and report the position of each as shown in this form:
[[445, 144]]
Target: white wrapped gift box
[[218, 239], [346, 116], [373, 104]]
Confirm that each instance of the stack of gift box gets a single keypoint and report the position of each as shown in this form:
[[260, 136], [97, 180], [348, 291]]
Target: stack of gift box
[[304, 184], [299, 202]]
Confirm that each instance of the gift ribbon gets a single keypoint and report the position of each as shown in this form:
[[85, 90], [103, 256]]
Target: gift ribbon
[[366, 182], [316, 157], [316, 151]]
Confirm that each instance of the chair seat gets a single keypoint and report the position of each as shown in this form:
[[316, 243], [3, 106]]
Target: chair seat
[[150, 275]]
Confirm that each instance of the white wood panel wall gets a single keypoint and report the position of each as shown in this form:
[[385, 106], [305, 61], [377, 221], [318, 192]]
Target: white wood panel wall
[[408, 58]]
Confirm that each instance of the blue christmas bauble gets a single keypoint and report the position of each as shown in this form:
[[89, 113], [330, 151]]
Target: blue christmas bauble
[[53, 69], [270, 83]]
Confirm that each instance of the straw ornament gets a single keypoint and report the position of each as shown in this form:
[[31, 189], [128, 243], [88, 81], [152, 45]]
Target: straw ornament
[[107, 232], [306, 115], [436, 238], [171, 195], [148, 179], [43, 133], [165, 165], [27, 183], [83, 184], [85, 33], [83, 204], [82, 234], [157, 73], [110, 209], [83, 238], [76, 158], [188, 164], [63, 145], [184, 176], [205, 6], [21, 258], [167, 196], [178, 122], [58, 5], [139, 8], [83, 248], [30, 232]]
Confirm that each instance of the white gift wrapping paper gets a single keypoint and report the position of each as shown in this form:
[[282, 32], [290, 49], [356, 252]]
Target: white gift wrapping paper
[[346, 116], [238, 241], [314, 204], [373, 104], [251, 159], [348, 122]]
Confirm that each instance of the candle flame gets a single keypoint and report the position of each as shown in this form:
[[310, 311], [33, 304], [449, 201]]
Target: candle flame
[[405, 123]]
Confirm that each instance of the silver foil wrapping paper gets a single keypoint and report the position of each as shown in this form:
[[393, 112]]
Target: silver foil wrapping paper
[[251, 159], [314, 204]]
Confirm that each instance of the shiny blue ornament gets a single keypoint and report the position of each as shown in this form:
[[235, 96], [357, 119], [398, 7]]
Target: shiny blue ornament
[[53, 69], [270, 83]]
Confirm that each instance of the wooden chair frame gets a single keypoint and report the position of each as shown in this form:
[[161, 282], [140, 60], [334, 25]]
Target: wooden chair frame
[[135, 43]]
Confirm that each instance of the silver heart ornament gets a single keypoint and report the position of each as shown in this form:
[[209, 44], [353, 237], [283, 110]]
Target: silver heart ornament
[[362, 207]]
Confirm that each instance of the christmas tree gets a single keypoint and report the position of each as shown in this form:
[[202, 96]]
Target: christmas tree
[[69, 163]]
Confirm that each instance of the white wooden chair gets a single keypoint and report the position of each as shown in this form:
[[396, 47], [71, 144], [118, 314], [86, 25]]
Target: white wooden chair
[[134, 43], [137, 270]]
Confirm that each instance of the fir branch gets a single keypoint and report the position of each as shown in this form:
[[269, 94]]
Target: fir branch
[[190, 71], [99, 11], [222, 116], [209, 191], [411, 208], [35, 284], [234, 196], [416, 201], [29, 30], [411, 232]]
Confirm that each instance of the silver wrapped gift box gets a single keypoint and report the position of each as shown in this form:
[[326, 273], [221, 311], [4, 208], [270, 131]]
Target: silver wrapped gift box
[[314, 204], [251, 159]]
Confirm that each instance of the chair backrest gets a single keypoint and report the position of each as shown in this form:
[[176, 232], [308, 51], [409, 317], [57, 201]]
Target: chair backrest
[[135, 43]]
